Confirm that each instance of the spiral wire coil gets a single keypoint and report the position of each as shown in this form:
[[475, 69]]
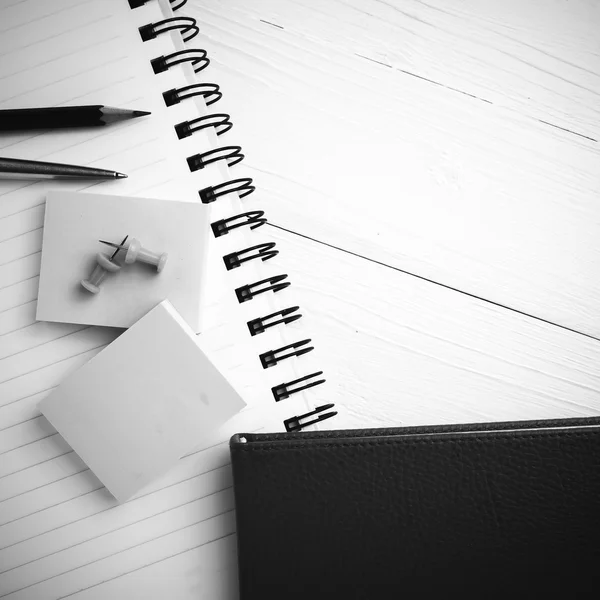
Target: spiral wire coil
[[232, 155]]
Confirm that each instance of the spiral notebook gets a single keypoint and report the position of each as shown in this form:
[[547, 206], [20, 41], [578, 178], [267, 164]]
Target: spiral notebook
[[61, 533]]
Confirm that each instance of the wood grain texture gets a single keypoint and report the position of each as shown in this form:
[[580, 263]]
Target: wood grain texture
[[397, 350], [457, 143], [538, 57]]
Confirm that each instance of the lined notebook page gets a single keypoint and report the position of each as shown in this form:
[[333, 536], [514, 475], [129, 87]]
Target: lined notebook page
[[61, 533]]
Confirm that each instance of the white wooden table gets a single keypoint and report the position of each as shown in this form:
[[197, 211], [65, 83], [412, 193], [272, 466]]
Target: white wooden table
[[433, 167]]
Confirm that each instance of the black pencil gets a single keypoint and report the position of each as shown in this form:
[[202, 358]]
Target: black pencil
[[64, 116]]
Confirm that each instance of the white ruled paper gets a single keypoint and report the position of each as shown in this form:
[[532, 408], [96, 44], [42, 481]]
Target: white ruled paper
[[61, 533]]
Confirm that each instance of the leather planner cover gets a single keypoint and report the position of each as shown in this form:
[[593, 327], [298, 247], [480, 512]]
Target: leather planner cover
[[480, 510]]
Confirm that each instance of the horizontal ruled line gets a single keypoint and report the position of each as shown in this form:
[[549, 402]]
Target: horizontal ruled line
[[155, 562], [116, 529]]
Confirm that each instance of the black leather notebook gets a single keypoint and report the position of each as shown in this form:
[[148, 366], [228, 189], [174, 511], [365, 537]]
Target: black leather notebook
[[483, 510]]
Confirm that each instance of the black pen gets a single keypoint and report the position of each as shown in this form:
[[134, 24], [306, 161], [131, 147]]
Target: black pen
[[64, 116], [15, 168]]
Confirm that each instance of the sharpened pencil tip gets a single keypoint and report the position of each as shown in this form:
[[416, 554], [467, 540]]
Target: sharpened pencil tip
[[141, 113], [120, 176]]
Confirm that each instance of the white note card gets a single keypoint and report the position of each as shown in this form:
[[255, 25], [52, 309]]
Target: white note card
[[143, 402], [73, 225]]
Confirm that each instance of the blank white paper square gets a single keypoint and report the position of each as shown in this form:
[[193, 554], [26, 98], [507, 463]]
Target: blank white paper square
[[73, 224], [143, 402]]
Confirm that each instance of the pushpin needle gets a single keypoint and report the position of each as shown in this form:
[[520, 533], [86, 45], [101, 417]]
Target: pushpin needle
[[117, 246]]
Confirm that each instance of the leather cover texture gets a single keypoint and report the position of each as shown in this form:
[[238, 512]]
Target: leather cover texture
[[479, 510]]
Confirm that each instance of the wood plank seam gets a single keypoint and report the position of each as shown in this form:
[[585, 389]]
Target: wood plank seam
[[438, 283]]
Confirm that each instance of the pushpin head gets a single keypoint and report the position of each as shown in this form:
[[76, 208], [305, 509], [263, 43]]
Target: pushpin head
[[103, 267], [162, 261], [89, 286], [136, 253], [106, 263], [133, 247]]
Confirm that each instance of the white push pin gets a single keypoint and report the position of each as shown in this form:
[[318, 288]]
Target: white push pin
[[105, 265], [135, 252], [101, 270]]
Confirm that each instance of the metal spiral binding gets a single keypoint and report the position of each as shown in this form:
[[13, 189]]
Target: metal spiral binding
[[209, 91], [195, 56], [232, 155], [285, 390], [184, 24], [261, 324], [174, 6], [263, 251], [252, 218], [242, 186], [272, 357], [294, 423], [220, 121], [247, 292]]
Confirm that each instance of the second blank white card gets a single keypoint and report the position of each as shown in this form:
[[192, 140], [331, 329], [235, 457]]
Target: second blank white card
[[147, 399]]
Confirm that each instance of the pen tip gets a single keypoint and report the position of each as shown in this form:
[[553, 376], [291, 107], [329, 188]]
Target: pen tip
[[140, 113], [120, 176]]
